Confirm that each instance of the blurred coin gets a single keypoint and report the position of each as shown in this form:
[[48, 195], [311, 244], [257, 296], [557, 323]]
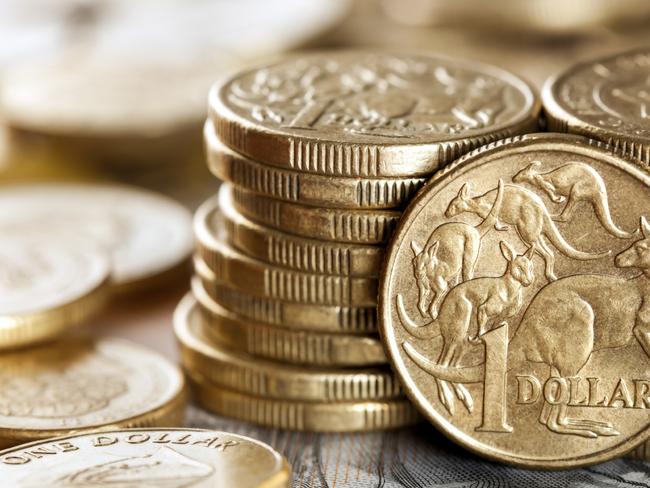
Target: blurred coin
[[79, 384], [160, 458], [369, 114], [147, 235], [47, 286], [329, 224], [244, 373], [301, 316], [606, 99]]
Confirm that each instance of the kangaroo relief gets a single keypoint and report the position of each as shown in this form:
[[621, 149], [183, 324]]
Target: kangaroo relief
[[571, 184]]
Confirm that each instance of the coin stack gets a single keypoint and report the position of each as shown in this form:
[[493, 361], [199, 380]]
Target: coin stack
[[319, 155]]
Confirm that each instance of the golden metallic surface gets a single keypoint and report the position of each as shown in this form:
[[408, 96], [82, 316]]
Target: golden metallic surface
[[262, 279], [47, 289], [306, 188], [83, 385], [146, 457], [369, 114], [304, 416], [289, 251], [301, 316], [528, 340], [606, 99], [246, 374], [329, 224], [283, 344]]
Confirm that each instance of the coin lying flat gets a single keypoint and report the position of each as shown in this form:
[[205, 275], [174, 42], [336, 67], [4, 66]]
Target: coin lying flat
[[606, 99], [146, 457], [369, 114], [241, 372], [47, 287], [306, 188], [292, 315], [77, 384], [284, 344], [536, 352], [329, 224], [304, 416], [289, 251], [145, 234]]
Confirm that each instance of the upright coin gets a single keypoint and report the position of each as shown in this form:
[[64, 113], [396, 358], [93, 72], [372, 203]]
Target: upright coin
[[528, 341], [369, 114], [47, 287], [606, 99], [146, 457], [78, 384], [146, 234]]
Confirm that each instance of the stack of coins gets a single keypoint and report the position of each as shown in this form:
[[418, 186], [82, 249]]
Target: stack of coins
[[320, 154]]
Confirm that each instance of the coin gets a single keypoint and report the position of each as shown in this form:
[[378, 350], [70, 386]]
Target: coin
[[606, 99], [369, 114], [284, 344], [535, 352], [330, 224], [47, 287], [289, 251], [244, 373], [301, 316], [642, 452], [146, 457], [262, 279], [305, 188], [146, 234], [304, 416], [82, 385]]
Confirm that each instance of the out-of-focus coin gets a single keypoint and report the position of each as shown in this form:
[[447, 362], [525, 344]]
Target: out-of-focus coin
[[541, 356], [146, 457], [330, 224], [284, 344], [301, 316], [606, 99], [304, 416], [47, 287], [244, 373], [79, 384], [305, 188], [289, 251], [147, 235], [369, 114]]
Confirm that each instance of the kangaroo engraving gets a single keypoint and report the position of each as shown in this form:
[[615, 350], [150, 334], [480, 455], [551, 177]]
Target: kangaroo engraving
[[450, 252], [468, 311], [573, 182], [526, 211]]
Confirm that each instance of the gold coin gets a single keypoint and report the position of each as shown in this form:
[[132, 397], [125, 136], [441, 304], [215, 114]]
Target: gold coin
[[283, 344], [305, 188], [530, 346], [289, 251], [304, 416], [146, 457], [262, 279], [606, 99], [47, 287], [329, 224], [369, 114], [82, 385], [301, 316], [246, 374]]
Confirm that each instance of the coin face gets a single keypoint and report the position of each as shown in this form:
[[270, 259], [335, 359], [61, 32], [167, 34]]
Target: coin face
[[145, 234], [513, 305], [80, 384], [369, 113], [169, 458], [606, 99]]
